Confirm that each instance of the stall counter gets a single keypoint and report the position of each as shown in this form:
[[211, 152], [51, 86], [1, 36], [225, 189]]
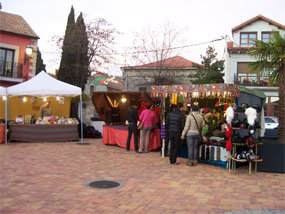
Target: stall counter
[[117, 135], [43, 132]]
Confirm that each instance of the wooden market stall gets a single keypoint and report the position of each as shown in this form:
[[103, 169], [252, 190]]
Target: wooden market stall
[[112, 108]]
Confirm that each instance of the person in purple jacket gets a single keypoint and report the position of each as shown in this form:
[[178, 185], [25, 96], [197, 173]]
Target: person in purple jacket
[[149, 119]]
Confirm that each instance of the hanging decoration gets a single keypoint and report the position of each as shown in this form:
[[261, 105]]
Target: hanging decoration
[[196, 90]]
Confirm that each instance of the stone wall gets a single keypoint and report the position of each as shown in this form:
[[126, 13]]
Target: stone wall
[[135, 79]]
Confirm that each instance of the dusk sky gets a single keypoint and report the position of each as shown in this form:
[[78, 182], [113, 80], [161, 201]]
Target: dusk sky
[[205, 20]]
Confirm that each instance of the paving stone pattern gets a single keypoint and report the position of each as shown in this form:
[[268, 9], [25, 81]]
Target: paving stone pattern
[[49, 178]]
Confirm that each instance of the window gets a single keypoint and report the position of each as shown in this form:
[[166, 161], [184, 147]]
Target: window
[[247, 39], [91, 88], [265, 36], [269, 120], [244, 75], [6, 61], [142, 89]]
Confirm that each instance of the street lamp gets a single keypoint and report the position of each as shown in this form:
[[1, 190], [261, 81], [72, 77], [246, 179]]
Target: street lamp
[[28, 53]]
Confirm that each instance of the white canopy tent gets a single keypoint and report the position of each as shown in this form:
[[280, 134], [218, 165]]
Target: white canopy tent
[[44, 85], [2, 91]]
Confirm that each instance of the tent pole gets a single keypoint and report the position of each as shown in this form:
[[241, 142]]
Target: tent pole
[[6, 122], [81, 118], [163, 123]]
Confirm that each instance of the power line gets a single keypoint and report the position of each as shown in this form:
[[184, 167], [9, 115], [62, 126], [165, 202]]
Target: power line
[[155, 50]]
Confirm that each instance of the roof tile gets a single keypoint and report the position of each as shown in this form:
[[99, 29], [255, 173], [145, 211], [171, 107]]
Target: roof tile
[[12, 23], [172, 62]]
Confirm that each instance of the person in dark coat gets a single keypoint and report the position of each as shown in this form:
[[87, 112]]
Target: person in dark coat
[[175, 122], [132, 120]]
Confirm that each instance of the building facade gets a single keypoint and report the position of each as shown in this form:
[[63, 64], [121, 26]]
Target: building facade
[[237, 58], [18, 50], [175, 70]]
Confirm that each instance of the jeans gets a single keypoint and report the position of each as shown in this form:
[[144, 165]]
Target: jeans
[[132, 128], [192, 144]]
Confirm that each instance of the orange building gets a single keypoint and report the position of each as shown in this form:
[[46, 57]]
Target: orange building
[[18, 50]]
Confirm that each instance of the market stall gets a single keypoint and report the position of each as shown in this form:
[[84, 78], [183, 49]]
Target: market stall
[[214, 100], [117, 135], [112, 108], [47, 128]]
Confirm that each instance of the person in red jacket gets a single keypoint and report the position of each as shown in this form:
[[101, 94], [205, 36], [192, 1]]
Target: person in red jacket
[[149, 119]]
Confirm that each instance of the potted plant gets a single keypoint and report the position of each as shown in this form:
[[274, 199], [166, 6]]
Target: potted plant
[[246, 81]]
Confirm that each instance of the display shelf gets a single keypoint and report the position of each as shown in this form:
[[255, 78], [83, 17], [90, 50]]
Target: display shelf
[[234, 160], [236, 128]]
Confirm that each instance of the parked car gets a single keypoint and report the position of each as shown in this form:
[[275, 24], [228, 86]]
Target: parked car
[[271, 122]]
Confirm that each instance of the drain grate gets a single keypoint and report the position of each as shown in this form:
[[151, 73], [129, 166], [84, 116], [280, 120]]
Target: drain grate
[[104, 184]]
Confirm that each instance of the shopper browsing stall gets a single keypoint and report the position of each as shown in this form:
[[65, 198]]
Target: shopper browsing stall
[[149, 119], [132, 120], [193, 125], [175, 122]]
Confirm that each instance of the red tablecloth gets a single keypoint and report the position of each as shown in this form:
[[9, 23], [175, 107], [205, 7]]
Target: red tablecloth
[[118, 135]]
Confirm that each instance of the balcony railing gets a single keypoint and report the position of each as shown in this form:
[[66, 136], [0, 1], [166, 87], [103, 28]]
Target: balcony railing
[[11, 70], [252, 80]]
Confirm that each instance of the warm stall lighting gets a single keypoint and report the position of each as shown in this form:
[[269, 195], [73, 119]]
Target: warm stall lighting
[[4, 97], [44, 99], [24, 99], [124, 99], [57, 98]]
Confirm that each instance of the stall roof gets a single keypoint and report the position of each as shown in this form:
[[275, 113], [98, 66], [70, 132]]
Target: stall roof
[[43, 85], [2, 91], [251, 91], [103, 101]]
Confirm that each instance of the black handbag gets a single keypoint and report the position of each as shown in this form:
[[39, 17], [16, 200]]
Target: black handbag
[[200, 141]]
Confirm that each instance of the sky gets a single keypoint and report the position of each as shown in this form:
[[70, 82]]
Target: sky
[[205, 20]]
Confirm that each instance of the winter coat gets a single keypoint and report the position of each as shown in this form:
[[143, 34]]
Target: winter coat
[[190, 125], [149, 118], [175, 121]]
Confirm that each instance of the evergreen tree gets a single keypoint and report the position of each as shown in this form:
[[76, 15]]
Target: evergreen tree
[[40, 66], [66, 68], [82, 60], [74, 65], [211, 71]]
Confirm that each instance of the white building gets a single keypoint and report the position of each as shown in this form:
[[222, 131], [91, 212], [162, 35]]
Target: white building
[[237, 58]]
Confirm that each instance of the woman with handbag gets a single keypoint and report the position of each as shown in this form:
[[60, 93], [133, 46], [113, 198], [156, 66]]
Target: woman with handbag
[[148, 120], [193, 133]]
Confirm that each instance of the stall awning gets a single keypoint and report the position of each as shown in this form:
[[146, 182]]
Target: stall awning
[[251, 91]]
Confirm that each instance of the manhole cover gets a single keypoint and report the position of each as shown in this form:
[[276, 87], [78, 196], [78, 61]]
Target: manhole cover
[[104, 184]]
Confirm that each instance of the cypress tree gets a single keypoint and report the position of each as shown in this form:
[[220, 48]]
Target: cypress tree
[[66, 68], [40, 66], [82, 59]]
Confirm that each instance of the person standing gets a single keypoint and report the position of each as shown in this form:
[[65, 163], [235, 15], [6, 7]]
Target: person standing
[[149, 119], [45, 110], [132, 118], [194, 123], [175, 122]]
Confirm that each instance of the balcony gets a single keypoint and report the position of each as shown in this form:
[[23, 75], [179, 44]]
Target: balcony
[[252, 80], [9, 70]]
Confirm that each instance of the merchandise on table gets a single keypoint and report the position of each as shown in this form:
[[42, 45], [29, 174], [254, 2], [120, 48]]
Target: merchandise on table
[[31, 119]]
